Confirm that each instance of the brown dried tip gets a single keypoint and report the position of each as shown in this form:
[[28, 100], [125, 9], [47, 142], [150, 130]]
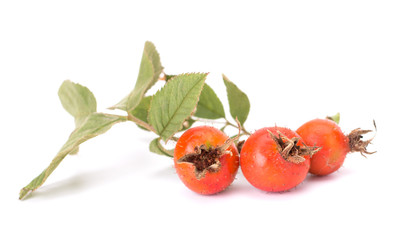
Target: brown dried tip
[[207, 158], [358, 145], [204, 159], [289, 149], [239, 145]]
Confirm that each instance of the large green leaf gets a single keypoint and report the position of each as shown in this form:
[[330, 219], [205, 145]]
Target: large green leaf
[[209, 105], [94, 125], [174, 103], [239, 104], [77, 100], [149, 72]]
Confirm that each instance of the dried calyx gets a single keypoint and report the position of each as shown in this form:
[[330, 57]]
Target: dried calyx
[[356, 143], [239, 145], [204, 159], [289, 149], [207, 158]]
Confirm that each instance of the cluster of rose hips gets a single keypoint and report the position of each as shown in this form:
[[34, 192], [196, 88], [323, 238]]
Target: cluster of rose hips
[[272, 159]]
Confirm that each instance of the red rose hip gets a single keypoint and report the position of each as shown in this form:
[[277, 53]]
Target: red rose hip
[[334, 144], [204, 162], [275, 159]]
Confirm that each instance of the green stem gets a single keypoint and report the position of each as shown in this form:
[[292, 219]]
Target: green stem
[[174, 138], [245, 132], [166, 151], [226, 123], [141, 123]]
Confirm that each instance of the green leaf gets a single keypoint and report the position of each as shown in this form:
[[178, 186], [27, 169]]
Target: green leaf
[[121, 105], [149, 72], [209, 105], [77, 100], [142, 110], [239, 104], [174, 103], [335, 118], [94, 125], [156, 147]]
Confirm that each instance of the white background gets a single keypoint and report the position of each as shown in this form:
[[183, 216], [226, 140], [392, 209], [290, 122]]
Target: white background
[[296, 60]]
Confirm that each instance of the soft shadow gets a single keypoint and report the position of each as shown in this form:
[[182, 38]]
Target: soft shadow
[[82, 181], [311, 178], [65, 187], [236, 188], [166, 173]]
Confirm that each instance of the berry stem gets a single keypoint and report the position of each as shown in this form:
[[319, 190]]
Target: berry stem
[[245, 132], [225, 124]]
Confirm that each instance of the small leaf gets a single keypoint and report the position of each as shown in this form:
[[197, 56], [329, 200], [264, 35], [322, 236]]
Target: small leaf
[[174, 103], [239, 104], [142, 110], [209, 105], [335, 118], [77, 100], [94, 125], [156, 147], [121, 105], [149, 72]]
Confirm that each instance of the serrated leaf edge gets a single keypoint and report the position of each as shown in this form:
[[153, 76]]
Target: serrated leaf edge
[[193, 111]]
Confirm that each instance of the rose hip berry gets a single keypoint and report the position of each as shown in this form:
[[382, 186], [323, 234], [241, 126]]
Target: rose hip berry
[[334, 144], [275, 159], [204, 160]]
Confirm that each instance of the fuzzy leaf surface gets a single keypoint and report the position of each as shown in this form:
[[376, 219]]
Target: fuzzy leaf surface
[[77, 100], [149, 72], [239, 104], [94, 125], [142, 110], [174, 103], [209, 105]]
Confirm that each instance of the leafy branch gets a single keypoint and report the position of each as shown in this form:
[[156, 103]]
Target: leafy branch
[[183, 100]]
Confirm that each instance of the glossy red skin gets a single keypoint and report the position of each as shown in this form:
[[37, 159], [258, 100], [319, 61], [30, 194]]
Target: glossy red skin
[[212, 182], [265, 168], [335, 145]]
